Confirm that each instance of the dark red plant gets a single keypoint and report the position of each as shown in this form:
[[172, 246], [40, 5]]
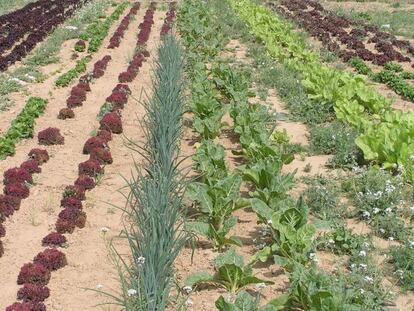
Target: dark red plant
[[102, 155], [33, 273], [74, 101], [66, 113], [54, 239], [85, 86], [2, 231], [64, 226], [111, 122], [50, 136], [71, 202], [105, 135], [9, 204], [1, 249], [51, 258], [17, 176], [92, 143], [80, 46], [40, 155], [91, 168], [32, 166], [17, 190], [85, 182], [26, 306], [122, 88], [33, 293]]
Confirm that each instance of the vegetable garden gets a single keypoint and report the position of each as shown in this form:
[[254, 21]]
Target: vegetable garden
[[203, 155]]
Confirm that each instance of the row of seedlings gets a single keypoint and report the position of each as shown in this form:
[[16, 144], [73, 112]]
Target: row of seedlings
[[116, 38]]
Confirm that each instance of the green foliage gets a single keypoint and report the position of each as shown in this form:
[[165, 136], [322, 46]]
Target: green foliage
[[216, 201], [68, 77], [232, 274], [392, 66], [22, 126], [338, 139], [396, 83], [271, 186], [96, 32], [209, 160], [402, 259], [291, 234], [244, 302], [341, 241], [360, 66]]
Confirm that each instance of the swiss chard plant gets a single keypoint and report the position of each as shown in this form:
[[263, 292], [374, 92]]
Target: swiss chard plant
[[246, 302], [216, 200], [232, 274], [209, 160]]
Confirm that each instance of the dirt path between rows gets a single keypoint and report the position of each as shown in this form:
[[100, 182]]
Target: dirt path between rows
[[88, 262]]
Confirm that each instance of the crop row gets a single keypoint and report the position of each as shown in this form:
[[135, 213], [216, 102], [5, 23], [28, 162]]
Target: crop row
[[79, 91], [386, 135], [120, 31], [331, 30], [169, 19], [24, 28], [35, 275], [22, 126], [95, 34], [140, 52]]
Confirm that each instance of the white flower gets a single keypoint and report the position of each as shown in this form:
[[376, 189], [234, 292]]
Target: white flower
[[312, 256], [382, 231], [389, 187], [363, 253], [269, 222], [187, 289], [376, 210], [71, 27], [363, 266], [353, 265], [386, 26], [132, 292], [365, 244], [368, 279], [18, 81], [188, 302], [388, 210], [361, 290], [412, 208], [366, 214], [411, 243], [30, 77], [331, 241], [412, 157], [99, 286], [141, 261], [104, 229], [260, 286], [391, 238]]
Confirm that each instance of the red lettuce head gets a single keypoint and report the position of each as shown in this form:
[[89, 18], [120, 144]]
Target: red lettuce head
[[84, 85], [117, 99], [85, 182], [51, 259], [8, 204], [66, 113], [33, 273], [92, 143], [17, 190], [64, 226], [50, 136], [91, 168], [26, 306], [33, 293], [54, 239], [32, 166], [74, 101], [111, 122], [40, 155], [1, 249], [122, 88], [80, 46], [2, 231], [17, 176], [73, 217], [102, 155], [105, 135], [71, 202]]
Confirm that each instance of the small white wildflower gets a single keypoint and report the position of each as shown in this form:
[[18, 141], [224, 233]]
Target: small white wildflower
[[376, 210], [99, 286], [361, 291], [30, 77], [331, 241], [411, 243], [333, 137], [366, 214], [312, 256], [412, 208], [141, 261], [104, 229], [365, 244], [363, 266], [188, 302], [269, 222], [187, 290], [390, 238], [386, 26], [132, 292], [363, 253], [260, 286], [18, 81], [412, 157], [368, 279], [353, 265], [71, 27], [382, 231], [388, 210]]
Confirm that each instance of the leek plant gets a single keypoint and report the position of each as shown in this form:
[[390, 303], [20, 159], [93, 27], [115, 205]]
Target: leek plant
[[155, 231]]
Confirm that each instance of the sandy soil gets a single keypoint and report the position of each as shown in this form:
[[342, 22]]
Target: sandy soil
[[88, 262]]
